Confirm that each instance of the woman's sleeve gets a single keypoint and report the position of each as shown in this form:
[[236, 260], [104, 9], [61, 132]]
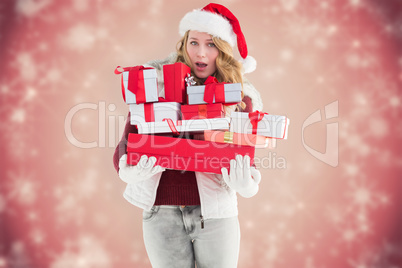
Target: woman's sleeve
[[122, 146], [252, 97], [249, 104]]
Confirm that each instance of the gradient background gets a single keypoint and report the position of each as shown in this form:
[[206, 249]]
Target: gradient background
[[61, 206]]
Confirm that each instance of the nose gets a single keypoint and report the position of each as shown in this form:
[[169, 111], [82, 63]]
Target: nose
[[201, 52]]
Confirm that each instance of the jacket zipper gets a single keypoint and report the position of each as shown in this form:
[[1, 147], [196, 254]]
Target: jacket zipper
[[202, 222]]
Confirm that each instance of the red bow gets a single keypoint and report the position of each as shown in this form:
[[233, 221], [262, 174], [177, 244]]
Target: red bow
[[255, 117], [171, 125], [202, 111], [214, 88]]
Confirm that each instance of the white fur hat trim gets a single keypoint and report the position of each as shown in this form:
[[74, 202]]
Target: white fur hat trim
[[208, 22]]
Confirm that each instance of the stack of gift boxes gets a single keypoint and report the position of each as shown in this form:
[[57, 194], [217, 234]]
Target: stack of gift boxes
[[181, 107]]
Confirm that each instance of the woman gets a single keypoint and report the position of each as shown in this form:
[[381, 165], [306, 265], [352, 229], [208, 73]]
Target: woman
[[191, 217]]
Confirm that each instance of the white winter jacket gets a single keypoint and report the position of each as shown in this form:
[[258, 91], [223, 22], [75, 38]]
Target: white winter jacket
[[217, 199]]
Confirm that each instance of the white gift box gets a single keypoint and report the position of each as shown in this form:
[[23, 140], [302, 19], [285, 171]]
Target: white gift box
[[272, 126], [195, 94], [150, 84], [196, 125], [154, 112]]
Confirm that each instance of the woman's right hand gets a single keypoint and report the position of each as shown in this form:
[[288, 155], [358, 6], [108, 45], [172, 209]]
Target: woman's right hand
[[144, 170]]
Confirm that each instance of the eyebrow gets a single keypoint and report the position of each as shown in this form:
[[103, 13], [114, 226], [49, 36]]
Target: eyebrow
[[197, 39]]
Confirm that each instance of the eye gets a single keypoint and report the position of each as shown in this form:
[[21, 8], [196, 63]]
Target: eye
[[193, 43], [211, 45]]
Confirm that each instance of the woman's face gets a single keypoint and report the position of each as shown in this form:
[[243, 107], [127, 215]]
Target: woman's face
[[203, 53]]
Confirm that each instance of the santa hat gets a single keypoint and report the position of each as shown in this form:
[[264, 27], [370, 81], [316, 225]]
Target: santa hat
[[218, 21]]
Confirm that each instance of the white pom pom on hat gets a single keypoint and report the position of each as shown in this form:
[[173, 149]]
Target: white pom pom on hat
[[249, 64], [218, 21]]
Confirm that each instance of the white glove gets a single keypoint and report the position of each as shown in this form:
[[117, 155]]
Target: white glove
[[144, 169], [243, 178]]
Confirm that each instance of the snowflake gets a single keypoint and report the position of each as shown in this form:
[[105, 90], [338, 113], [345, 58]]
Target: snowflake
[[362, 199], [80, 5], [68, 209], [83, 257], [125, 5], [286, 55], [301, 29], [37, 236], [381, 85], [360, 59], [363, 195], [32, 215], [87, 185], [31, 8], [26, 66], [53, 76], [155, 7], [80, 38], [72, 193], [289, 5], [336, 215], [352, 170], [378, 127], [272, 250], [18, 256], [395, 101], [3, 262], [102, 33], [2, 204], [354, 143], [4, 89], [378, 256], [22, 188], [18, 115], [356, 3]]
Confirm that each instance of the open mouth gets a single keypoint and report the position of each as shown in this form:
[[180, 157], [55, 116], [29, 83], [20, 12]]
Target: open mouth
[[201, 64]]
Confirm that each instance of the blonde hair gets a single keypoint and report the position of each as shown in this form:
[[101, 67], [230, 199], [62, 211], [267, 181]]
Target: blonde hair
[[228, 69]]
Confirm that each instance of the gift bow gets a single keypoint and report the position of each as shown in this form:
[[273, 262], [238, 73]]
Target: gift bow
[[135, 82], [172, 126], [202, 111], [214, 88], [255, 117]]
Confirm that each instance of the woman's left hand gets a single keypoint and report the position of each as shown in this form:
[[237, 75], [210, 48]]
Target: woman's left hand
[[242, 178]]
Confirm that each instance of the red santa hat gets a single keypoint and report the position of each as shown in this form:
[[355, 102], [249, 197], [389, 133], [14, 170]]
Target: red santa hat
[[218, 21]]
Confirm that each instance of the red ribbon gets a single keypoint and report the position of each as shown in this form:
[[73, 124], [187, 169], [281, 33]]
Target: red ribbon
[[255, 117], [177, 81], [214, 88], [171, 125], [149, 112], [135, 82], [202, 111], [284, 130]]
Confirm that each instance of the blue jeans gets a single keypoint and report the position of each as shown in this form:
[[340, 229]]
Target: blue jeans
[[174, 238]]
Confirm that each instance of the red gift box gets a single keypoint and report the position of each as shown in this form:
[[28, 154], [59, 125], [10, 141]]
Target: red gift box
[[185, 154], [237, 138], [175, 85], [202, 111]]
